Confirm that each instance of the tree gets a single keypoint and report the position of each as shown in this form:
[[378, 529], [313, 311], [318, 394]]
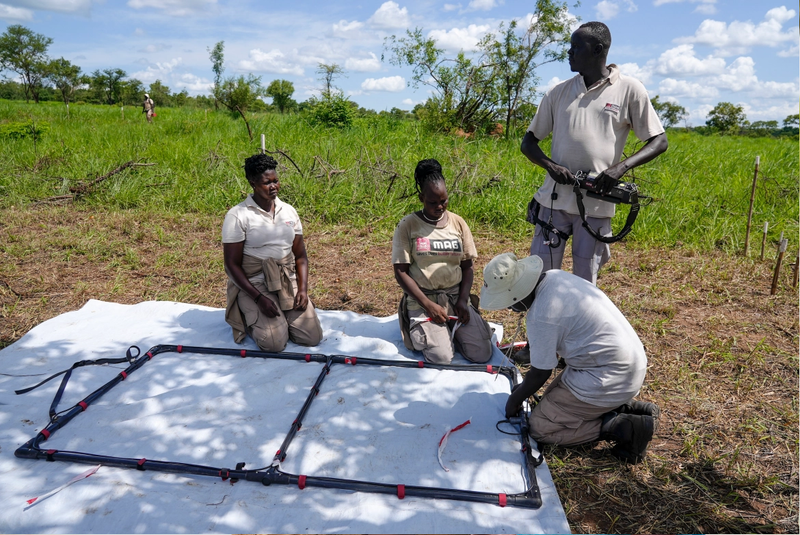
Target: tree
[[64, 76], [764, 125], [107, 85], [25, 53], [235, 93], [791, 120], [516, 56], [327, 74], [464, 92], [160, 94], [669, 113], [217, 57], [281, 92], [182, 98], [131, 92], [332, 110], [726, 118]]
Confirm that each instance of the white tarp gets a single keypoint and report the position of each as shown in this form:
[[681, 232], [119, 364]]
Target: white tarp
[[380, 424]]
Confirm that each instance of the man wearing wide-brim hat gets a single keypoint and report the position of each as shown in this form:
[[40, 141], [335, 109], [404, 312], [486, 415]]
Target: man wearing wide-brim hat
[[592, 398]]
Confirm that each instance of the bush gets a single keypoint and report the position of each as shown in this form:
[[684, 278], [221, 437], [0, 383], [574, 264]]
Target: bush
[[332, 110], [24, 130]]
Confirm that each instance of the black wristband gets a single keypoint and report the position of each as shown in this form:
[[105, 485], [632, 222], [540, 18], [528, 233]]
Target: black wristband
[[259, 296]]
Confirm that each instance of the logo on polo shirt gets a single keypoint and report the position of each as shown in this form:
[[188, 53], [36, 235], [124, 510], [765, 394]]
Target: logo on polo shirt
[[612, 108], [438, 247], [289, 223]]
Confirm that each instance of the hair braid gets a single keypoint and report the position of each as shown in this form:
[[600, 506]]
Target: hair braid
[[427, 172]]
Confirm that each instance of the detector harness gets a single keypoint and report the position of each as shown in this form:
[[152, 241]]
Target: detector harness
[[620, 193]]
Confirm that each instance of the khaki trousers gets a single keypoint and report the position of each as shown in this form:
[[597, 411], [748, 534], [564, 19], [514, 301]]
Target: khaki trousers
[[561, 418], [588, 253], [473, 339], [272, 334]]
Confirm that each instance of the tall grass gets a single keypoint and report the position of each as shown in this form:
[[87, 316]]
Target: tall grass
[[363, 175]]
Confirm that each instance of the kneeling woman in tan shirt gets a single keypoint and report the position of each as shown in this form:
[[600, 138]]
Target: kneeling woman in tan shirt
[[432, 254], [267, 266]]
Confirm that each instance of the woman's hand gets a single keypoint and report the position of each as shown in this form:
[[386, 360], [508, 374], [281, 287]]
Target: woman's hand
[[438, 314], [300, 300], [462, 311], [267, 306]]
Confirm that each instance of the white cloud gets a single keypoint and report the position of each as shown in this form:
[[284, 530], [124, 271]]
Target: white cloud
[[775, 111], [392, 84], [738, 76], [662, 2], [273, 61], [343, 27], [608, 9], [681, 88], [682, 61], [15, 14], [552, 82], [194, 84], [174, 7], [777, 90], [64, 6], [159, 72], [411, 103], [738, 37], [790, 52], [705, 9], [370, 64], [155, 47], [643, 74], [460, 38], [390, 17], [450, 7], [484, 5]]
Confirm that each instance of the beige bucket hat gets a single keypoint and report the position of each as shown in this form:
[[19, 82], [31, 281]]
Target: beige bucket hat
[[507, 280]]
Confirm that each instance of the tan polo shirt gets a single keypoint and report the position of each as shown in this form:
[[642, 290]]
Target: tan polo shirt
[[590, 128], [435, 254]]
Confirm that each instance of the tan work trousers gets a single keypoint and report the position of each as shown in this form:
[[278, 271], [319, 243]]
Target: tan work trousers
[[473, 339], [561, 418], [271, 334]]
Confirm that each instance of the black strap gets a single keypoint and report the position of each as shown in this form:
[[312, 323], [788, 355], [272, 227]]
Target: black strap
[[634, 212], [129, 357], [533, 218]]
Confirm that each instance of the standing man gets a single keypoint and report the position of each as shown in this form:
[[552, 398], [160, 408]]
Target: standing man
[[148, 107], [590, 116], [592, 399]]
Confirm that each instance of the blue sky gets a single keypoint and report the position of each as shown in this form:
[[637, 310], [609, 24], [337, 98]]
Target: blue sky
[[693, 52]]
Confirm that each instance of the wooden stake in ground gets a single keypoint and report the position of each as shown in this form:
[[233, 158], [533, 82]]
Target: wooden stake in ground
[[750, 212], [263, 144], [764, 239], [781, 251], [122, 112], [796, 264]]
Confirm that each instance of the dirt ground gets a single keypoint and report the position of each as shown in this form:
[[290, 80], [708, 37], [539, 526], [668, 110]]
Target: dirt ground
[[723, 352]]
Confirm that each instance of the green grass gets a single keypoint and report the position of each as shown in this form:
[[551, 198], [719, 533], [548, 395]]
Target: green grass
[[362, 175]]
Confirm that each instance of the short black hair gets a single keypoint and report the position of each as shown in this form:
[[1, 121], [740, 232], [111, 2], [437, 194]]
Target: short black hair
[[599, 31], [257, 164], [427, 172]]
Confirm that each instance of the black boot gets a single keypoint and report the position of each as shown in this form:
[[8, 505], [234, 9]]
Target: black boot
[[644, 408], [631, 434]]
